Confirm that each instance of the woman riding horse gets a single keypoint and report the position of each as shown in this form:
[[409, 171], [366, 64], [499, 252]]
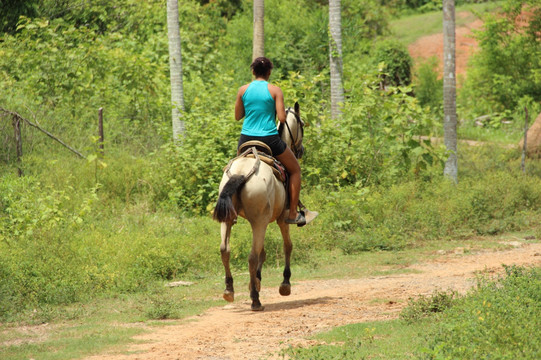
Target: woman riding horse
[[249, 187], [259, 103]]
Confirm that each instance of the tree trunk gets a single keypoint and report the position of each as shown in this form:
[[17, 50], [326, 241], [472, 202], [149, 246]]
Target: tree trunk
[[259, 29], [449, 90], [175, 66], [335, 57]]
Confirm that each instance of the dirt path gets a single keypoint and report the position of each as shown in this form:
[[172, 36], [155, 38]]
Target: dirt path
[[234, 332], [432, 46]]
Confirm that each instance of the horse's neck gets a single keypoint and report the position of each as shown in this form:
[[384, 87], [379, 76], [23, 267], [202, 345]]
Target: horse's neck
[[286, 135]]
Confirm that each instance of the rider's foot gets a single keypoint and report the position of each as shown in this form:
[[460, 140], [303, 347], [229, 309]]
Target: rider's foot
[[299, 220]]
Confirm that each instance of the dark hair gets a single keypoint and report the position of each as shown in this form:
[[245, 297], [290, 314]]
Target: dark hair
[[261, 66]]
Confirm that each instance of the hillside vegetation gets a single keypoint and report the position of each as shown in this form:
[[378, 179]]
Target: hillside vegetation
[[72, 230]]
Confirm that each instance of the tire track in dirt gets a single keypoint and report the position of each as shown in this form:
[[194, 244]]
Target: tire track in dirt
[[234, 332]]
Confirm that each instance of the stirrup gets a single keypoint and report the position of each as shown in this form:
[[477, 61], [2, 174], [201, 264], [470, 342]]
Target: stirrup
[[299, 220], [309, 216]]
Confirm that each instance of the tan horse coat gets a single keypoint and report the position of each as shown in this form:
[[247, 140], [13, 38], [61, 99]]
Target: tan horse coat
[[261, 199]]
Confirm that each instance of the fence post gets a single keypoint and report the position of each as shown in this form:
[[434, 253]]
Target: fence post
[[100, 127], [524, 146], [18, 142]]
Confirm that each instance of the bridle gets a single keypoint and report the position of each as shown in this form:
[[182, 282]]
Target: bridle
[[296, 141]]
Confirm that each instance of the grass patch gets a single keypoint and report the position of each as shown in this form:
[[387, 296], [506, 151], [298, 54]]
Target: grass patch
[[499, 319], [372, 340], [106, 324], [46, 331], [407, 29]]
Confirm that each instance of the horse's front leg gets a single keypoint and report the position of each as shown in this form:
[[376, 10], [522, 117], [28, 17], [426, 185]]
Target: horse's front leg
[[225, 249], [255, 262], [285, 287]]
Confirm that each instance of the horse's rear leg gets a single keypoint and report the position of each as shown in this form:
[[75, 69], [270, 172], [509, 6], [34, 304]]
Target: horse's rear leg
[[285, 287], [262, 258], [225, 249], [255, 262]]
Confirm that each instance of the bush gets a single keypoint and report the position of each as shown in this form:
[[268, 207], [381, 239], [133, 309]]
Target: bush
[[425, 306], [498, 320], [506, 67], [428, 88], [397, 60]]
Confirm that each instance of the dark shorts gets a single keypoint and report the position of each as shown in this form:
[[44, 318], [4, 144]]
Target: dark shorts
[[277, 145]]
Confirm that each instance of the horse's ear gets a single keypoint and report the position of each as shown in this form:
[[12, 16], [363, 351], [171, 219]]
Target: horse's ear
[[297, 108]]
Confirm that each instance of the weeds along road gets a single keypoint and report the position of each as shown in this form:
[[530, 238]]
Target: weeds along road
[[234, 332]]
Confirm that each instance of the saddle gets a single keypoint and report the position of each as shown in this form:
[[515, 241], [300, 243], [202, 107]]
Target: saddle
[[264, 153]]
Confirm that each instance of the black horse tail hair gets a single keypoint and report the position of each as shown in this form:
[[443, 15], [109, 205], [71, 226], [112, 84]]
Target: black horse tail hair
[[224, 210]]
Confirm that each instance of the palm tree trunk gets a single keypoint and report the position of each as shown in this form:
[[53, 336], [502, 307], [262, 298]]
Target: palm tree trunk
[[175, 66], [335, 57], [449, 90], [259, 29]]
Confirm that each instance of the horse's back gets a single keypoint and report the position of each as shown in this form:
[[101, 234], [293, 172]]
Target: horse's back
[[262, 195]]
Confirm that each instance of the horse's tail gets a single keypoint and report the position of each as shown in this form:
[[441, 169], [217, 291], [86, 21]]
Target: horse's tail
[[224, 210]]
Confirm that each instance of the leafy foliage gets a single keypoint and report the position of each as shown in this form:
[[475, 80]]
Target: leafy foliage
[[428, 87], [71, 230], [377, 141], [424, 306], [11, 10], [506, 69], [498, 320], [397, 62]]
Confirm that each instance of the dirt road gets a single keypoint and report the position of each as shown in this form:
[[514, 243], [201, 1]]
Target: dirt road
[[432, 46], [234, 332]]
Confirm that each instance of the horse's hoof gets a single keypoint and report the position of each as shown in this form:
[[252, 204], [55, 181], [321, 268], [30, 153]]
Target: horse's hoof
[[229, 296], [258, 307], [285, 289]]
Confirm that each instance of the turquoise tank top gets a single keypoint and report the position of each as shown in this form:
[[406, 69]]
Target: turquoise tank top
[[259, 110]]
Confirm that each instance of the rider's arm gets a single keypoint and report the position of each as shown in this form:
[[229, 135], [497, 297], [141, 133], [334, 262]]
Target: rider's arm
[[278, 96], [239, 105]]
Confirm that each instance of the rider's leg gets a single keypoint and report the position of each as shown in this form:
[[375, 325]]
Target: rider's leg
[[293, 168]]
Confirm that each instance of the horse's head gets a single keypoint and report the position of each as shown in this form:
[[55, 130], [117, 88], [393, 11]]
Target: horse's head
[[292, 130]]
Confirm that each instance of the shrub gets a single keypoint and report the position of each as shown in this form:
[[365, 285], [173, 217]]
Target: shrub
[[428, 88], [397, 60], [497, 320], [506, 67], [425, 306]]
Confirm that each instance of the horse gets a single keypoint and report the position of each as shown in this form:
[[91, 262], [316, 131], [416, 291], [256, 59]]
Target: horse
[[249, 188]]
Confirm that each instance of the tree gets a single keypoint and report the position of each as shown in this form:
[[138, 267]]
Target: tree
[[11, 10], [335, 56], [175, 65], [259, 29], [507, 66], [449, 90]]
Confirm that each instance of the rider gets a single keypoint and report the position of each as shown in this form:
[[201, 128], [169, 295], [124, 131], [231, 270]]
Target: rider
[[260, 103]]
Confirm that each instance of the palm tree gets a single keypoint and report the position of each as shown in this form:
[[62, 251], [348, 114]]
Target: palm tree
[[335, 56], [259, 29], [175, 66], [449, 90]]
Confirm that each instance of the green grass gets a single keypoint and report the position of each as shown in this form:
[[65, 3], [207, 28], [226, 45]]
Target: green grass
[[105, 324], [408, 29], [108, 323], [499, 319], [508, 135], [372, 340]]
